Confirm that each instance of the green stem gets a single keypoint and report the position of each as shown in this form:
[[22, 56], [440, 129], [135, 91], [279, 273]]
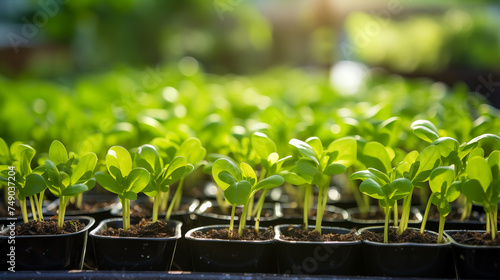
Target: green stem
[[386, 224], [426, 214], [441, 228], [126, 213], [405, 215], [243, 220], [307, 198], [79, 201], [156, 206], [33, 210], [250, 206], [39, 204], [24, 211], [177, 195], [467, 210], [62, 211], [322, 198], [260, 204], [178, 199], [231, 224], [396, 210], [164, 201], [494, 222], [220, 200], [488, 223], [423, 195], [363, 206]]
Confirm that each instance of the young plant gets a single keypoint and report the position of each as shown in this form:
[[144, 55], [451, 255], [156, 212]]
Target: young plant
[[192, 150], [444, 190], [161, 176], [67, 176], [122, 179], [239, 185], [316, 167], [27, 184], [483, 187]]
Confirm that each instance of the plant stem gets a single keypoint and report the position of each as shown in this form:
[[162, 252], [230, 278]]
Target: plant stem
[[126, 213], [39, 203], [260, 204], [426, 214], [164, 201], [156, 206], [62, 211], [494, 222], [231, 224], [79, 201], [441, 228], [363, 206], [488, 223], [396, 210], [307, 197], [250, 206], [177, 196], [24, 211], [243, 219], [467, 210], [386, 224], [220, 200], [33, 210], [405, 215], [322, 198]]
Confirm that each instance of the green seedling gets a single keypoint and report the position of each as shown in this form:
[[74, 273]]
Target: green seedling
[[68, 176], [192, 150], [239, 184], [483, 187], [122, 179], [444, 190], [161, 175], [27, 183], [316, 167]]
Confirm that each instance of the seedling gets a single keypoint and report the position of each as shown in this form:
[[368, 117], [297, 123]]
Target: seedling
[[122, 179], [239, 185], [161, 176], [316, 167], [26, 183], [483, 187], [67, 176]]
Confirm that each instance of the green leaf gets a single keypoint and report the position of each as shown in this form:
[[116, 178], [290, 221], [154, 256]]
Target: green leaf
[[270, 182], [58, 153], [382, 176], [365, 174], [128, 195], [316, 145], [335, 169], [399, 188], [441, 179], [479, 169], [25, 154], [426, 161], [149, 159], [175, 171], [474, 192], [118, 158], [192, 150], [372, 189], [425, 130], [52, 172], [343, 151], [307, 170], [293, 178], [84, 168], [4, 150], [376, 156], [137, 180], [75, 189], [34, 184], [305, 149], [446, 145], [405, 165], [238, 192], [263, 145], [494, 163], [454, 191], [476, 152], [227, 165], [247, 173], [108, 182]]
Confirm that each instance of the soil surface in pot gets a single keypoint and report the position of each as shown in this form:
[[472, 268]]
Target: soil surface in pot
[[409, 235], [294, 234], [248, 234], [476, 238], [294, 212], [48, 227], [379, 215], [145, 228], [146, 209]]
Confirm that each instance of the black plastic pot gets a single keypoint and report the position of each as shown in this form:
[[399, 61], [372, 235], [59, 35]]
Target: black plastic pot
[[205, 218], [219, 255], [475, 261], [407, 259], [283, 218], [47, 252], [309, 257], [354, 222], [134, 253]]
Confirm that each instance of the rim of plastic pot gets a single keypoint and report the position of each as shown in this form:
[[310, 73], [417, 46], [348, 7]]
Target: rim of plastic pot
[[328, 208], [53, 207], [351, 211], [277, 235], [116, 210], [448, 234], [207, 203], [94, 233], [189, 236], [90, 223], [381, 229]]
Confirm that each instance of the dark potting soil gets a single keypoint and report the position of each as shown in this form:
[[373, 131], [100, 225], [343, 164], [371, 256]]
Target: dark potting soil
[[408, 236], [295, 212], [379, 215], [248, 234], [266, 213], [476, 238], [49, 227], [293, 234], [145, 228], [146, 209]]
